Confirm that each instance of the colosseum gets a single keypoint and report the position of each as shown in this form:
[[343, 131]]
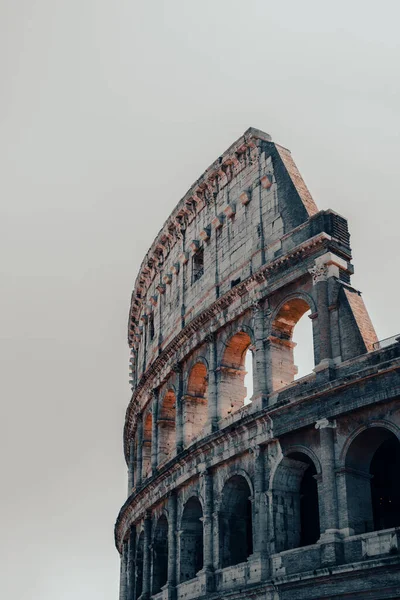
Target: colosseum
[[244, 479]]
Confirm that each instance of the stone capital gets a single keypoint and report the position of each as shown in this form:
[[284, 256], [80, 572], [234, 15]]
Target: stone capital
[[325, 424]]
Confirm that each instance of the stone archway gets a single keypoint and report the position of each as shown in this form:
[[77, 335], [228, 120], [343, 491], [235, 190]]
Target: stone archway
[[160, 555], [166, 427], [195, 402], [372, 468], [295, 502], [191, 540], [139, 568], [146, 446], [232, 390], [235, 522], [282, 367]]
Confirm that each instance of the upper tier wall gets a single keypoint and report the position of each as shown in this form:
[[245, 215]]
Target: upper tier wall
[[230, 223]]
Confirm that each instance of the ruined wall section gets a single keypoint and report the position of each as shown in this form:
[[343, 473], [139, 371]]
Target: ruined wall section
[[235, 216]]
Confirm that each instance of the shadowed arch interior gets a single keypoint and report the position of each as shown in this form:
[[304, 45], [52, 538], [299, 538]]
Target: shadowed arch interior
[[372, 480], [195, 402], [160, 555], [235, 522], [232, 390], [295, 503], [191, 540], [147, 441], [283, 369], [166, 427], [139, 567]]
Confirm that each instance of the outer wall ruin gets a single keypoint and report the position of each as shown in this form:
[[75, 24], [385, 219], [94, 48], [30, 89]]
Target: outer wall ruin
[[294, 493]]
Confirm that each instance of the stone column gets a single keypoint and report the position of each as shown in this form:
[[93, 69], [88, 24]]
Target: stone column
[[212, 395], [154, 433], [146, 589], [208, 530], [172, 546], [330, 536], [325, 267], [179, 409], [260, 389], [260, 517], [123, 587], [131, 466], [131, 564]]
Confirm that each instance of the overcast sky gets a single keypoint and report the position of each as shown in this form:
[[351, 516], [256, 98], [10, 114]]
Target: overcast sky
[[109, 111]]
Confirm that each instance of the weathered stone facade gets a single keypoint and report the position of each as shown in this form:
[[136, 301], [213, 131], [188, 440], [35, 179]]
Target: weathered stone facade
[[294, 495]]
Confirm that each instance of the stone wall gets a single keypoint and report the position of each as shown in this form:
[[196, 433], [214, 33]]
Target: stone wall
[[289, 495]]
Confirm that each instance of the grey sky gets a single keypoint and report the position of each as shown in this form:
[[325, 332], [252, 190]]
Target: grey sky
[[109, 111]]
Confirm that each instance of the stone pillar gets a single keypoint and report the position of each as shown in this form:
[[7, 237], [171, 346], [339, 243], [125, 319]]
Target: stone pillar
[[172, 546], [123, 587], [154, 433], [131, 466], [179, 409], [139, 454], [212, 403], [131, 564], [330, 536], [260, 389], [146, 590], [325, 267], [258, 505], [208, 530]]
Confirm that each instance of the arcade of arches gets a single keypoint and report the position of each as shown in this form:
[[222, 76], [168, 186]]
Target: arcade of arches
[[372, 486], [180, 422]]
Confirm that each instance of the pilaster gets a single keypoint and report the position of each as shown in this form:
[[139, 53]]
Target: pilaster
[[146, 558], [330, 535], [154, 432], [208, 532]]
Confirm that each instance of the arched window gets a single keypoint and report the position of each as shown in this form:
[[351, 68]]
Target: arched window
[[282, 344], [295, 503], [160, 555], [372, 481], [166, 427], [139, 568], [146, 448], [195, 402], [234, 386], [191, 540], [235, 522]]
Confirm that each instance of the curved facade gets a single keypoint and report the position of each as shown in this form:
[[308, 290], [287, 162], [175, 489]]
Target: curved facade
[[290, 491]]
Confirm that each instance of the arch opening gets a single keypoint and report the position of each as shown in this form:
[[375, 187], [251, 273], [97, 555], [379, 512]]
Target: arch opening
[[146, 446], [166, 427], [138, 588], [283, 346], [195, 402], [235, 522], [372, 481], [236, 374], [191, 540], [160, 555], [295, 503]]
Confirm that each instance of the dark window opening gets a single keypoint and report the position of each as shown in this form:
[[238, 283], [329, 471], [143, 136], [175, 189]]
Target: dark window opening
[[151, 327], [385, 485], [160, 555], [191, 560], [197, 265], [235, 282], [236, 531]]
